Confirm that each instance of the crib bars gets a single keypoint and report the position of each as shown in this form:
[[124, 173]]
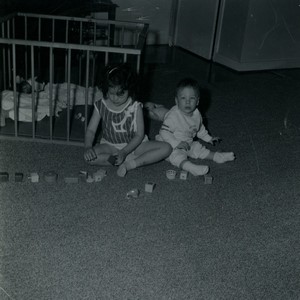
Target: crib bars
[[63, 49]]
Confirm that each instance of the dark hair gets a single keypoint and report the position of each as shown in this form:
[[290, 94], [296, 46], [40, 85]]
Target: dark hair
[[24, 87], [188, 82], [120, 75]]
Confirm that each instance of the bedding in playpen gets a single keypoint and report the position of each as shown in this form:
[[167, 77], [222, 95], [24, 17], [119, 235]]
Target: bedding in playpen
[[68, 54]]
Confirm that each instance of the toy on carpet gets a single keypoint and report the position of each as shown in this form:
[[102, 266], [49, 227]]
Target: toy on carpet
[[171, 174], [50, 177], [149, 187], [71, 179], [183, 175], [99, 175], [4, 176], [208, 179], [34, 177], [19, 177], [134, 193], [112, 159]]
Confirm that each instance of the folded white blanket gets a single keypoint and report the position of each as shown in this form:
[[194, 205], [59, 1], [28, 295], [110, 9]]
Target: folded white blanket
[[42, 107]]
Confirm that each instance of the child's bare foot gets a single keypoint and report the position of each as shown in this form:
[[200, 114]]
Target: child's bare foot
[[125, 167]]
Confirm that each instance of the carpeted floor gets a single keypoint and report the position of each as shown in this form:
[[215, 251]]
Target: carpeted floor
[[235, 239]]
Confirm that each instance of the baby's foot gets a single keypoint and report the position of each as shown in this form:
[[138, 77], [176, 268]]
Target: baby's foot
[[196, 170], [222, 157]]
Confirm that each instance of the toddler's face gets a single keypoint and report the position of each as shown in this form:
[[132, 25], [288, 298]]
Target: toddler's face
[[187, 100], [117, 96]]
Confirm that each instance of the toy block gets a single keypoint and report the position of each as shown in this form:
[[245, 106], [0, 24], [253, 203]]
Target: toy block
[[82, 176], [99, 175], [90, 179], [208, 179], [171, 174], [4, 176], [50, 177], [183, 175], [112, 160], [19, 177], [71, 179], [149, 187], [34, 177], [133, 194]]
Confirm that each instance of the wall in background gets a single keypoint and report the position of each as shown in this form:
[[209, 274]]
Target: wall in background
[[155, 12], [195, 26], [258, 34]]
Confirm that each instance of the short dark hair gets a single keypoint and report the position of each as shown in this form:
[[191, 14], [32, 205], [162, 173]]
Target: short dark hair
[[120, 75], [188, 82]]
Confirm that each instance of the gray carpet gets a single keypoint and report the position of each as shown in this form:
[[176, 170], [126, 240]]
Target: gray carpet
[[235, 239]]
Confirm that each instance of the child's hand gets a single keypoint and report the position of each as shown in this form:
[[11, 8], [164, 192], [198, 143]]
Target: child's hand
[[215, 140], [89, 154], [183, 145], [120, 157]]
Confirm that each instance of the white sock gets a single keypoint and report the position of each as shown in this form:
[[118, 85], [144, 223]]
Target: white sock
[[194, 169], [222, 157], [126, 166]]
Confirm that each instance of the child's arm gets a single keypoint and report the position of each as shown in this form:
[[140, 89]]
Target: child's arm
[[89, 153], [204, 135], [167, 132], [137, 139]]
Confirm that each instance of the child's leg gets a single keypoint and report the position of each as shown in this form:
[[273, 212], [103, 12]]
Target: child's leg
[[178, 158], [199, 151], [147, 153], [103, 152], [221, 157]]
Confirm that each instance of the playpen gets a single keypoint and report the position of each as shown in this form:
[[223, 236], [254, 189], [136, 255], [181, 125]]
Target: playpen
[[62, 58]]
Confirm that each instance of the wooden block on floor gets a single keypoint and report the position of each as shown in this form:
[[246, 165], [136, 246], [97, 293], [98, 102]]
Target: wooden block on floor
[[34, 177], [4, 176], [71, 180], [208, 179], [183, 175], [149, 187], [19, 177]]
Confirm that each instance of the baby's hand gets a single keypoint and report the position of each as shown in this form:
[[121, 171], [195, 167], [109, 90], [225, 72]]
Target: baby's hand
[[214, 140], [120, 157], [183, 145], [89, 154]]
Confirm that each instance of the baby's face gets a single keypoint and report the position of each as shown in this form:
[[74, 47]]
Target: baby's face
[[187, 100]]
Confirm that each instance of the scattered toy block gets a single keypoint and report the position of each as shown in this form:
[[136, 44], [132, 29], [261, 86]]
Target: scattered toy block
[[19, 177], [183, 175], [99, 175], [90, 179], [134, 193], [149, 187], [82, 176], [112, 159], [208, 179], [34, 177], [50, 177], [71, 179], [4, 176], [171, 174]]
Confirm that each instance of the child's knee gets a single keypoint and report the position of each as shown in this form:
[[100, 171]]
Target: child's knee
[[167, 149], [177, 157], [198, 151]]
